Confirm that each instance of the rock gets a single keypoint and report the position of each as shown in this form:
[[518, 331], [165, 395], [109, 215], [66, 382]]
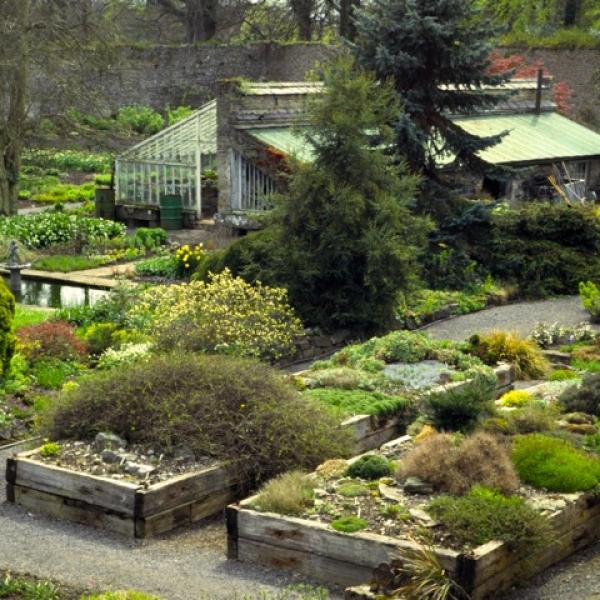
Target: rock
[[108, 440], [139, 470], [424, 518], [6, 433], [397, 443], [426, 432], [391, 493], [550, 505], [415, 485], [110, 456], [340, 336]]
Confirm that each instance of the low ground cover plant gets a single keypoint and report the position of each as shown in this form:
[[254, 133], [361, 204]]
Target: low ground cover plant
[[516, 398], [546, 335], [554, 464], [454, 466], [51, 340], [370, 467], [483, 515], [67, 160], [224, 407], [498, 346], [346, 403], [48, 228]]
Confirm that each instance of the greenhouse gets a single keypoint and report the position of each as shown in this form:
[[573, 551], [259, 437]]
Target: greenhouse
[[170, 162]]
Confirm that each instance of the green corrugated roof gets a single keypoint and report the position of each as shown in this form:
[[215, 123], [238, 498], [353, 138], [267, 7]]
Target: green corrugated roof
[[286, 140], [532, 137]]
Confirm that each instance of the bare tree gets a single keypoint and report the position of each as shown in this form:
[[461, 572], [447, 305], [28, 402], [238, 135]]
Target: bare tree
[[50, 42], [198, 16]]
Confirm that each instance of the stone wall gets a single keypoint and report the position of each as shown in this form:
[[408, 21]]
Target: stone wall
[[174, 75], [580, 68]]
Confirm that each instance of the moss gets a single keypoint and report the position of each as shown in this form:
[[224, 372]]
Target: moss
[[349, 524], [553, 464], [352, 489], [563, 375], [49, 449]]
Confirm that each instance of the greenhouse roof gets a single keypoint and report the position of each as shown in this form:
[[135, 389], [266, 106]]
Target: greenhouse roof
[[178, 143], [532, 138], [285, 139]]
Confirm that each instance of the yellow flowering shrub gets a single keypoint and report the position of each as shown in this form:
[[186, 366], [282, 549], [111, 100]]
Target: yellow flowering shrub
[[188, 258], [225, 315]]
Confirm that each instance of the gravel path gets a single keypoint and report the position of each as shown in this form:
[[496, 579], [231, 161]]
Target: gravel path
[[187, 565], [520, 317]]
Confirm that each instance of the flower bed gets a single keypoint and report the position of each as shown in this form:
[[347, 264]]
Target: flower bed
[[310, 544], [137, 503]]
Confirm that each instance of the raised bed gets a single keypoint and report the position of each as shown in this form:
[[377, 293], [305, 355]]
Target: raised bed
[[314, 549], [371, 431], [122, 507]]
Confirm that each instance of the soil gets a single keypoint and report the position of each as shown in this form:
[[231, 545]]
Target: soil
[[135, 464]]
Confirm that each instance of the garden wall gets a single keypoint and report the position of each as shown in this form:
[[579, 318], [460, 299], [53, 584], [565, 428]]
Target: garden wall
[[158, 75], [186, 74]]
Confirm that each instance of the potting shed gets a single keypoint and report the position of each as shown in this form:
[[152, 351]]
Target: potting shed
[[170, 162]]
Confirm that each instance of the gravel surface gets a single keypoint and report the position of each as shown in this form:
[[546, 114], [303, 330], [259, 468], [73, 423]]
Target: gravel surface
[[520, 317], [189, 564]]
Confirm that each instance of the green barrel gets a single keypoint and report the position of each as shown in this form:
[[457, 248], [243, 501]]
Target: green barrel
[[171, 215], [105, 203]]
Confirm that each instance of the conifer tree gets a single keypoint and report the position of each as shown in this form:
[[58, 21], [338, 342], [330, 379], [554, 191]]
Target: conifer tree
[[437, 52]]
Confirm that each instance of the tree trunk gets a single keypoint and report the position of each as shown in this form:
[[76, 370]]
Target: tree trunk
[[302, 10], [347, 28], [201, 20], [13, 130]]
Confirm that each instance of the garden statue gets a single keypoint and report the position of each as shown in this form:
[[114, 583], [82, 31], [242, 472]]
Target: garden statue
[[14, 266]]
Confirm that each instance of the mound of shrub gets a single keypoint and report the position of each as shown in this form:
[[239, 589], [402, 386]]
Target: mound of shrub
[[484, 515], [224, 407], [7, 337], [583, 398], [226, 315], [459, 408], [450, 466], [498, 346], [553, 464], [516, 398], [370, 467], [51, 340]]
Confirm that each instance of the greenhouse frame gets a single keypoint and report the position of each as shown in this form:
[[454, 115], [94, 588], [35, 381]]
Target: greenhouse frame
[[170, 162]]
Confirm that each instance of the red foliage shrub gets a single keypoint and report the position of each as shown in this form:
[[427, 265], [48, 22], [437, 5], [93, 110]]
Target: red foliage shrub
[[53, 339], [561, 92]]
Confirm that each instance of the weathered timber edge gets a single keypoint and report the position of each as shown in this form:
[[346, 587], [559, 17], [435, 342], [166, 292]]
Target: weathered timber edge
[[316, 550], [118, 506]]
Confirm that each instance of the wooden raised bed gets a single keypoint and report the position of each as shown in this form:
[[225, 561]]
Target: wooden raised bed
[[314, 549], [119, 506], [371, 431]]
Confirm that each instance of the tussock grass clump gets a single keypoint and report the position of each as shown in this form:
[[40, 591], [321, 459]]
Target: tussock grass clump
[[484, 515], [455, 468], [288, 494], [498, 346], [224, 407], [553, 464]]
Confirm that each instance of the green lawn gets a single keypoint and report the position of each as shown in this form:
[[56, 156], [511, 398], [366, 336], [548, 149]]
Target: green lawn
[[31, 315], [67, 263]]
